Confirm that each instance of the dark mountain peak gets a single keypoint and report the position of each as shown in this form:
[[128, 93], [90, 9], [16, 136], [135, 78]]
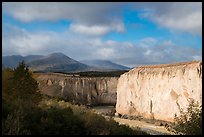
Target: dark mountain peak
[[57, 54], [57, 62]]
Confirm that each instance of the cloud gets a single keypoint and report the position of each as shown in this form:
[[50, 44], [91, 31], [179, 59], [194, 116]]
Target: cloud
[[88, 13], [179, 16], [87, 16], [92, 30], [81, 48], [19, 41], [30, 42], [96, 30], [105, 53], [168, 52], [148, 41]]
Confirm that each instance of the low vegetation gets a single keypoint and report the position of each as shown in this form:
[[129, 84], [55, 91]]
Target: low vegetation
[[102, 74], [189, 122], [94, 73], [27, 112]]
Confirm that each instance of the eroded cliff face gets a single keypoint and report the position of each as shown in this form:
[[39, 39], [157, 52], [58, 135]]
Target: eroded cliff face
[[85, 90], [159, 91]]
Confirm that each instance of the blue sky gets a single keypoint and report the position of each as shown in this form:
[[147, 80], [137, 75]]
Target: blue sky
[[126, 33]]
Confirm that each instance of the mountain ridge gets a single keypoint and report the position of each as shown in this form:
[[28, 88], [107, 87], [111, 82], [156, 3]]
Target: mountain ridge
[[106, 64], [57, 62]]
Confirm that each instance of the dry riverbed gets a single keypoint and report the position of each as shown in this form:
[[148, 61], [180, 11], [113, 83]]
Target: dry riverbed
[[147, 127]]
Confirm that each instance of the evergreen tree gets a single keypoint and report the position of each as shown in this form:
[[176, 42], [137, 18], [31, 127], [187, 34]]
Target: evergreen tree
[[25, 86], [7, 84]]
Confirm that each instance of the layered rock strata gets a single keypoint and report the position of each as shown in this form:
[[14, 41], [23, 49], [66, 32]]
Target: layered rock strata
[[159, 91], [85, 90]]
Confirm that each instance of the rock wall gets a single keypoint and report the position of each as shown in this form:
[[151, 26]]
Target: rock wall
[[160, 91], [85, 90]]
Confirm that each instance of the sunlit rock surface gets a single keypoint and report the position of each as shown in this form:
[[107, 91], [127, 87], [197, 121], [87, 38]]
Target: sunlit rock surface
[[86, 90], [160, 91]]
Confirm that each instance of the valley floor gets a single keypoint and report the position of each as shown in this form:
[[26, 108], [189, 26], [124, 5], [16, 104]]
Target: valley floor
[[144, 126]]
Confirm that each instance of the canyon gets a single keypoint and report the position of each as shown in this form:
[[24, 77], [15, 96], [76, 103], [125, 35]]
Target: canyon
[[153, 92], [84, 90]]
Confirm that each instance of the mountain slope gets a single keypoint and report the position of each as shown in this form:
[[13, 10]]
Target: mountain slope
[[57, 62], [32, 57], [11, 61], [104, 64]]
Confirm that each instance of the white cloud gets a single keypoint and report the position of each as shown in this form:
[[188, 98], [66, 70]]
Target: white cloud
[[80, 47], [90, 30], [20, 41], [96, 30], [105, 53], [179, 16], [30, 42], [84, 12], [148, 52], [148, 41], [86, 18]]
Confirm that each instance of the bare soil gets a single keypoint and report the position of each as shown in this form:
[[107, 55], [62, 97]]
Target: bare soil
[[147, 127]]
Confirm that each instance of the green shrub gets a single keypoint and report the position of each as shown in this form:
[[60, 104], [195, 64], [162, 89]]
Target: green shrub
[[55, 121], [93, 124], [188, 122], [13, 124], [36, 121]]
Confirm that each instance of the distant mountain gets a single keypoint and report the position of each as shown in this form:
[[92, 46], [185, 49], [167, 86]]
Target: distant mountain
[[58, 62], [55, 62], [32, 57], [105, 64], [11, 61]]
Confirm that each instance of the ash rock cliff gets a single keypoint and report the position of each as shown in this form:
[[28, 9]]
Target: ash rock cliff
[[84, 90], [160, 91]]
